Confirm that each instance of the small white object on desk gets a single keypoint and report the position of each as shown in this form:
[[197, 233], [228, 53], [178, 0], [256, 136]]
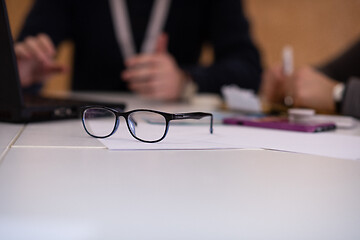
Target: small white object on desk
[[340, 121], [240, 99], [303, 115], [300, 114]]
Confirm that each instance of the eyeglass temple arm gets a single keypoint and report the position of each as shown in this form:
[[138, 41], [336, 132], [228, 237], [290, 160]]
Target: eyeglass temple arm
[[195, 115]]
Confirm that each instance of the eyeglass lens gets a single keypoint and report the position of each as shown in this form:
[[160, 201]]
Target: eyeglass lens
[[99, 122], [147, 126]]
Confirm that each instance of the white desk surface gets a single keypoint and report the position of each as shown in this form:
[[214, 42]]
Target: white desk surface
[[57, 183], [58, 134], [8, 133]]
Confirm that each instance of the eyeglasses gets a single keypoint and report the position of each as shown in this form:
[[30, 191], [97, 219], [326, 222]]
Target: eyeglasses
[[145, 125]]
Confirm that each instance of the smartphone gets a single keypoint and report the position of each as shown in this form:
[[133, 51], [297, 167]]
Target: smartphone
[[281, 123]]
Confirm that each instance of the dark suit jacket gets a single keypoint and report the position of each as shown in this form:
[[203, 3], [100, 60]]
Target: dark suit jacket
[[346, 68], [98, 61]]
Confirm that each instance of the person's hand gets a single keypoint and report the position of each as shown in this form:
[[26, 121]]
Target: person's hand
[[307, 87], [313, 89], [35, 58], [274, 85], [155, 76]]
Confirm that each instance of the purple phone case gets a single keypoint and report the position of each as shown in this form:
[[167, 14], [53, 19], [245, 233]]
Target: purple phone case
[[282, 124]]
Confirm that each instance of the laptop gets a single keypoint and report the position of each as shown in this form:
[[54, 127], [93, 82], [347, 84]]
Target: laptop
[[15, 106]]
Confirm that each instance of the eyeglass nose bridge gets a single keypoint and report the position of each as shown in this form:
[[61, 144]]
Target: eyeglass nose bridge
[[117, 122], [130, 122]]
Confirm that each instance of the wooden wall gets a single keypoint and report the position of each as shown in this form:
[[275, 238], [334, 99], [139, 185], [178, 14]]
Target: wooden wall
[[317, 29]]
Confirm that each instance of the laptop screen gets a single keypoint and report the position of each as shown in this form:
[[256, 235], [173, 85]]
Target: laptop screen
[[10, 89]]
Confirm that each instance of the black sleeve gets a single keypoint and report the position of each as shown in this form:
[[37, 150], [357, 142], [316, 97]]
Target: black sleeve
[[237, 60], [344, 66], [52, 17], [351, 100]]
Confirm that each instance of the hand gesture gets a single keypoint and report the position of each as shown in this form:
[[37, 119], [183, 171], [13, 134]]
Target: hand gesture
[[308, 88], [155, 76], [35, 57]]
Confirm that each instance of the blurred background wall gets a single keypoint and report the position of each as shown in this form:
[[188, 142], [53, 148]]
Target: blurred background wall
[[317, 30]]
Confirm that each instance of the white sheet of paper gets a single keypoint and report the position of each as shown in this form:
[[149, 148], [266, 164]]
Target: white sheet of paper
[[178, 137], [326, 144]]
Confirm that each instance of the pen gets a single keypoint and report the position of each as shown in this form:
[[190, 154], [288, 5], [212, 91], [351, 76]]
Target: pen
[[288, 69]]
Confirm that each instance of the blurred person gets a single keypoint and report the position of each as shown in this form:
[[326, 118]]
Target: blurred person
[[166, 74], [331, 88]]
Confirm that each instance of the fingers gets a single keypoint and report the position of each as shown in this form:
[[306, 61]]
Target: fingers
[[56, 68], [49, 72], [161, 86], [142, 80], [35, 57], [154, 76], [143, 67], [36, 50], [136, 74], [143, 60], [46, 45], [146, 80], [39, 48], [147, 87], [273, 85], [148, 59], [22, 52], [142, 87], [153, 92], [162, 43]]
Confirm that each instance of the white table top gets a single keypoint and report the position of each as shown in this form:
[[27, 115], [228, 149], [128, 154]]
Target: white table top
[[57, 183], [65, 133], [8, 133]]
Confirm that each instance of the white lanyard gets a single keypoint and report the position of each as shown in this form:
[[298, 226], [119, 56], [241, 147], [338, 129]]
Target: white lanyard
[[123, 30]]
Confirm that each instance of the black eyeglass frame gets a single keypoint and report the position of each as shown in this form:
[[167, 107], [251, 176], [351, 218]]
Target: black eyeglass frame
[[168, 117]]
